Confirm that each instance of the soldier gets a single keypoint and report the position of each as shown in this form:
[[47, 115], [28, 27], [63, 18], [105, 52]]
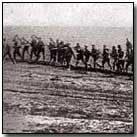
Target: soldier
[[79, 53], [33, 46], [128, 44], [129, 55], [87, 56], [61, 51], [7, 51], [106, 58], [57, 43], [120, 64], [129, 60], [68, 54], [114, 55], [40, 48], [95, 55], [17, 46], [25, 48], [53, 50]]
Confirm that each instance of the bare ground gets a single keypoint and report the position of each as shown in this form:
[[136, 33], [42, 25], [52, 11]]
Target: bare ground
[[47, 99]]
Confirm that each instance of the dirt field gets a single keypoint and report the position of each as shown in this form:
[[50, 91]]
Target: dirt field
[[45, 99]]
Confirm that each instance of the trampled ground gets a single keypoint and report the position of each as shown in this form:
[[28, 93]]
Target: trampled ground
[[46, 99]]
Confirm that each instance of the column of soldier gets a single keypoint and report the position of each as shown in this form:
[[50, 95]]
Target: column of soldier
[[62, 53]]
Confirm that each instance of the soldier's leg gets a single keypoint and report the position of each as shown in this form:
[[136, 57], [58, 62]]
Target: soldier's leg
[[23, 53], [103, 63], [127, 65], [120, 66], [4, 56], [10, 56], [31, 53], [82, 59], [77, 62], [14, 54], [114, 64], [68, 60], [38, 54], [108, 61], [43, 53], [54, 56], [94, 63], [51, 56], [86, 62], [26, 50], [123, 64], [18, 53], [59, 54]]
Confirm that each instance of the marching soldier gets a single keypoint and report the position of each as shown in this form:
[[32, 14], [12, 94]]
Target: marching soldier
[[40, 48], [53, 50], [106, 58], [95, 55], [33, 46], [61, 52], [17, 46], [87, 56], [25, 48], [129, 55], [129, 61], [128, 44], [7, 51], [79, 54], [68, 54], [120, 64], [114, 55]]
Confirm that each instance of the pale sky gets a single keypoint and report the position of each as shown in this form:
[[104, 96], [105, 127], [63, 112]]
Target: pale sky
[[68, 14]]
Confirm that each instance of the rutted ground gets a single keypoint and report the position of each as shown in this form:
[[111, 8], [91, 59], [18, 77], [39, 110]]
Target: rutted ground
[[47, 99]]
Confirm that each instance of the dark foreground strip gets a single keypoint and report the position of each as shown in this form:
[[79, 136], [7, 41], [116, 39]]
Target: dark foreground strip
[[83, 68], [95, 97]]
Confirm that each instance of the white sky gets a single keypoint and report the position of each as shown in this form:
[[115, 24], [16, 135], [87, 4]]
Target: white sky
[[68, 14]]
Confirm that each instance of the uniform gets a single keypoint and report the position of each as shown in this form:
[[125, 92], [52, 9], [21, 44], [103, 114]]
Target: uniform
[[25, 48], [106, 58], [41, 49], [114, 55], [129, 60], [79, 56], [34, 48], [87, 56], [7, 52], [120, 64], [60, 52], [17, 46], [53, 52], [95, 55], [68, 55]]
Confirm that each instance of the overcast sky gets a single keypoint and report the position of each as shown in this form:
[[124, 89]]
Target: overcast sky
[[68, 14]]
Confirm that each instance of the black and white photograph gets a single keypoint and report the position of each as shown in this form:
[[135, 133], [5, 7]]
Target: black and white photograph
[[68, 67]]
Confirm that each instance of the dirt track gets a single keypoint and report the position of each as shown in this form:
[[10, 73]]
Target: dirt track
[[46, 99]]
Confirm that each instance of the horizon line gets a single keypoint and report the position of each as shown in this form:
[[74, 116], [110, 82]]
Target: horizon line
[[66, 26]]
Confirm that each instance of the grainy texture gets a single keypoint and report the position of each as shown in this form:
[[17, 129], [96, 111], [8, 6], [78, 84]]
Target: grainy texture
[[46, 99]]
